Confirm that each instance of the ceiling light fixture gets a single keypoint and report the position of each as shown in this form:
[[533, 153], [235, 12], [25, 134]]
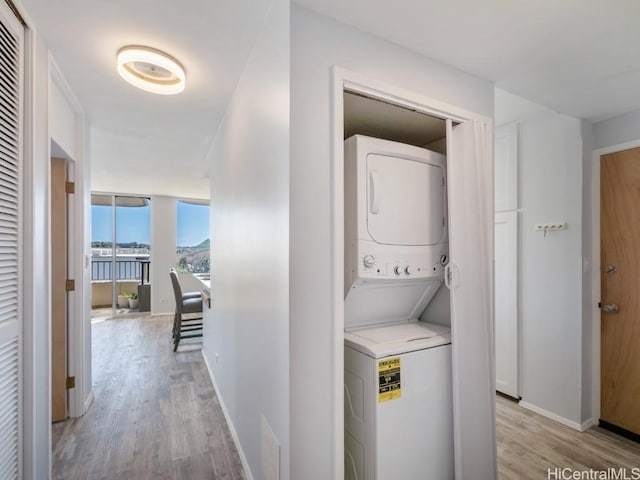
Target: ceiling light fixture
[[151, 70]]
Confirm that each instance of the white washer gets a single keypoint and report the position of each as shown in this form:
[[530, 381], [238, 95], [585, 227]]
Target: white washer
[[398, 403]]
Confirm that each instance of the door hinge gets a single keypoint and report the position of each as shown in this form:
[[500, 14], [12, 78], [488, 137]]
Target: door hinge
[[70, 285], [599, 304], [70, 187], [71, 382]]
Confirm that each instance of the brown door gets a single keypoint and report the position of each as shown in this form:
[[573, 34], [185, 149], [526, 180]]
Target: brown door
[[58, 289], [620, 257]]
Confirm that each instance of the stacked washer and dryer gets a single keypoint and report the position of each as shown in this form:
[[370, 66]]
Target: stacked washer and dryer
[[397, 378]]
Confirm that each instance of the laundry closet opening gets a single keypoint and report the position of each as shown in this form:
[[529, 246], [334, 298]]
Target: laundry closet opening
[[398, 413]]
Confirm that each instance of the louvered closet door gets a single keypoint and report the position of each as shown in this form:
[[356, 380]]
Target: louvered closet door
[[11, 102]]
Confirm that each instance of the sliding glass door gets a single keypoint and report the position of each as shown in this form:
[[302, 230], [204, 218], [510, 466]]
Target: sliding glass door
[[120, 255]]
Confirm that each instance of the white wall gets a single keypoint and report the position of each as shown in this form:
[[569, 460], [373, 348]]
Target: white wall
[[163, 253], [70, 141], [246, 336], [617, 130], [37, 312], [317, 44], [62, 120], [551, 188]]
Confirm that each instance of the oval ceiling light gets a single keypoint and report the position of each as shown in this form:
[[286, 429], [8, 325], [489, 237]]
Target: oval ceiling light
[[151, 70]]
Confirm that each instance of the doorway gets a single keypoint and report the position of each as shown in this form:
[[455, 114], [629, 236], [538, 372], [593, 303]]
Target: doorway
[[120, 255], [619, 302]]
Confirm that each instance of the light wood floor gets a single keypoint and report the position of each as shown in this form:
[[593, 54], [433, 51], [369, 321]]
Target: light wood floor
[[529, 444], [155, 414]]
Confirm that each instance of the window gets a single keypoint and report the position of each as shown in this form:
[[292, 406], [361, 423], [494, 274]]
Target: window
[[116, 275], [193, 246]]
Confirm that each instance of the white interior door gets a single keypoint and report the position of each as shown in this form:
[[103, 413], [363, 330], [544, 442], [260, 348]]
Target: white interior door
[[470, 191], [11, 121], [506, 260], [506, 302]]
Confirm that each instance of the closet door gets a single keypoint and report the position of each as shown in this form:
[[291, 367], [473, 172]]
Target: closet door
[[11, 105], [470, 278]]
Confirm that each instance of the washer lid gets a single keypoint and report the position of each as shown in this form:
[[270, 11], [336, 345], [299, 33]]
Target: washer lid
[[397, 338], [370, 303]]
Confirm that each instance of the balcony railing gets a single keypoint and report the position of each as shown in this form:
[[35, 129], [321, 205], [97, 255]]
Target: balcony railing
[[102, 269]]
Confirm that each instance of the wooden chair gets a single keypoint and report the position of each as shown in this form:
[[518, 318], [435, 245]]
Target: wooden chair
[[190, 302]]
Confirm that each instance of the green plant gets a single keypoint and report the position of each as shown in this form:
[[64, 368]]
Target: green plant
[[183, 266], [133, 295]]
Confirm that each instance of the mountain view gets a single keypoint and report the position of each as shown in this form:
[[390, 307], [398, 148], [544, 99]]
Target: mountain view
[[121, 245], [193, 259]]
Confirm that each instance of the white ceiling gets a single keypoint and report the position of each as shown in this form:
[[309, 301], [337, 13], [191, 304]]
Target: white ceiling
[[141, 142], [579, 57]]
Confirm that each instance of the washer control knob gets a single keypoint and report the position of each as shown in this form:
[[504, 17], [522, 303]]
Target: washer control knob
[[397, 270], [444, 259], [369, 261], [409, 270]]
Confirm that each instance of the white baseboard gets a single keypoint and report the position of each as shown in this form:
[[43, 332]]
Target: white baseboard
[[232, 429], [88, 401], [588, 424], [552, 416]]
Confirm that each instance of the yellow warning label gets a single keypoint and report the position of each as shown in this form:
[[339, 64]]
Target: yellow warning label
[[389, 379]]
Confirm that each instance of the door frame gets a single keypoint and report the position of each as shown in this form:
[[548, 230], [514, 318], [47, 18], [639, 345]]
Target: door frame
[[345, 80], [595, 273], [79, 311]]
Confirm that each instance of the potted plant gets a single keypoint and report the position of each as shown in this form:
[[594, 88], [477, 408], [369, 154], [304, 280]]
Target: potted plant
[[133, 300], [123, 301]]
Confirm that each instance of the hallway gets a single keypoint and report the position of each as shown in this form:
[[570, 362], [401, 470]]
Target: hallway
[[155, 413], [156, 416]]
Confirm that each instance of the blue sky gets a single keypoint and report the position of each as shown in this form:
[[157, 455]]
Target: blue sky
[[193, 224], [133, 224]]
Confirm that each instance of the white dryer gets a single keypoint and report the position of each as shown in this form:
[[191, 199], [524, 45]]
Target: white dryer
[[395, 229], [395, 211], [398, 403]]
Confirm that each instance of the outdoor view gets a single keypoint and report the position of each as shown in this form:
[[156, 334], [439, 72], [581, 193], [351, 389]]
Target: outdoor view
[[130, 271], [192, 252], [133, 236], [133, 242]]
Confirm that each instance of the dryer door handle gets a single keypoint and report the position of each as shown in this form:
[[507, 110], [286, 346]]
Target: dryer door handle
[[374, 192]]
